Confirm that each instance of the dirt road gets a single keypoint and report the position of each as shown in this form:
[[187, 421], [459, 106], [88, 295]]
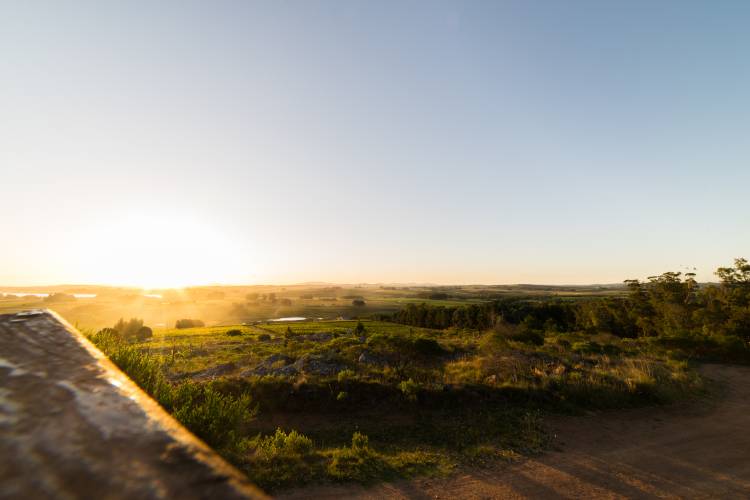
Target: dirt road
[[701, 450]]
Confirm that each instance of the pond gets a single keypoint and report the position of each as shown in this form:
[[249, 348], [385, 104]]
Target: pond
[[42, 295]]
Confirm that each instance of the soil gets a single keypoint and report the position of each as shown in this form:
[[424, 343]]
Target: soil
[[699, 449]]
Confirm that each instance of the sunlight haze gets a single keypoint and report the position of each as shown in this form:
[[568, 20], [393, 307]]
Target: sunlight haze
[[156, 145]]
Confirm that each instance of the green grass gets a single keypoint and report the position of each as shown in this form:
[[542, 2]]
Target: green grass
[[218, 418], [441, 399]]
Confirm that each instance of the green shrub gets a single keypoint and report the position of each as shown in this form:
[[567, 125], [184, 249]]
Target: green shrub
[[360, 441], [357, 463], [427, 347], [283, 444], [144, 333], [234, 333], [281, 459], [216, 418], [143, 369], [132, 329], [211, 415], [531, 337], [345, 375], [409, 388], [493, 342], [189, 323]]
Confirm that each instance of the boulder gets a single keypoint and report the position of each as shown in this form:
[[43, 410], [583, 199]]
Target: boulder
[[214, 371], [370, 358]]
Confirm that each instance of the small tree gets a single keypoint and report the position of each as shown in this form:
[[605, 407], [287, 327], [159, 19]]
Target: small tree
[[360, 328], [188, 323], [128, 329], [144, 333]]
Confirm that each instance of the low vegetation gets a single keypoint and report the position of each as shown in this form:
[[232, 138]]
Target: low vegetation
[[216, 417], [435, 386]]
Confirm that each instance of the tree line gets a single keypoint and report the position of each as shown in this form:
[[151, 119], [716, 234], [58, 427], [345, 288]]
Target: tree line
[[670, 304]]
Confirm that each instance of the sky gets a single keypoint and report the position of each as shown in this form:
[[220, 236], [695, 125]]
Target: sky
[[184, 143]]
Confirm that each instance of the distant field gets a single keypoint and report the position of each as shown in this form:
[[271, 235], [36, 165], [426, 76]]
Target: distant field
[[233, 305]]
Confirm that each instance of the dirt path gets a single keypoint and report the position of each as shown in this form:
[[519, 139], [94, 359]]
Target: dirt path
[[696, 451]]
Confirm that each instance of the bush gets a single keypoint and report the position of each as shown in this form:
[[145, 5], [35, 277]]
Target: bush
[[345, 375], [357, 463], [410, 389], [264, 337], [523, 333], [143, 369], [130, 330], [283, 444], [144, 333], [211, 415], [427, 347], [531, 337], [360, 441], [358, 302], [214, 417], [281, 459], [189, 323], [234, 333]]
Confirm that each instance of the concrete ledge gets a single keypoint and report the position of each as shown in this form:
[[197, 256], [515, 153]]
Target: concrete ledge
[[72, 425]]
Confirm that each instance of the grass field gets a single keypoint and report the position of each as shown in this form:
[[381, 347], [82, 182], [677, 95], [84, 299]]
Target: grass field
[[227, 305], [343, 397], [368, 401]]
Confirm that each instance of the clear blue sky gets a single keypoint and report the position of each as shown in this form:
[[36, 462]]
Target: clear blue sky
[[382, 141]]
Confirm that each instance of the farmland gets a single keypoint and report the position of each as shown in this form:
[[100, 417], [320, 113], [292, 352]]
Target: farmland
[[387, 382], [101, 306]]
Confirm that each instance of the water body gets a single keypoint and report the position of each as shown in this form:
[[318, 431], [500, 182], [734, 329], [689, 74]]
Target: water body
[[290, 318], [42, 295]]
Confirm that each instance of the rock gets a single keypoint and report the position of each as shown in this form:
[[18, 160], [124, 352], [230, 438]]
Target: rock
[[275, 358], [280, 365], [370, 358], [314, 337], [214, 371], [318, 365], [270, 366]]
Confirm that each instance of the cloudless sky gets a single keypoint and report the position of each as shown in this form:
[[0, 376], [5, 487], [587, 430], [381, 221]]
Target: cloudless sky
[[161, 143]]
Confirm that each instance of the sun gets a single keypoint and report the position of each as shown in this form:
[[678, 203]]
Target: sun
[[162, 249]]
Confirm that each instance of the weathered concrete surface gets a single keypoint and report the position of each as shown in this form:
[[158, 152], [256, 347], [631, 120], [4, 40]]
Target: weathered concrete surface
[[72, 425]]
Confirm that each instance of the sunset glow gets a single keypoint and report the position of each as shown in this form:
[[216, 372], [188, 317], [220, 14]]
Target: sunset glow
[[159, 249], [474, 142]]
